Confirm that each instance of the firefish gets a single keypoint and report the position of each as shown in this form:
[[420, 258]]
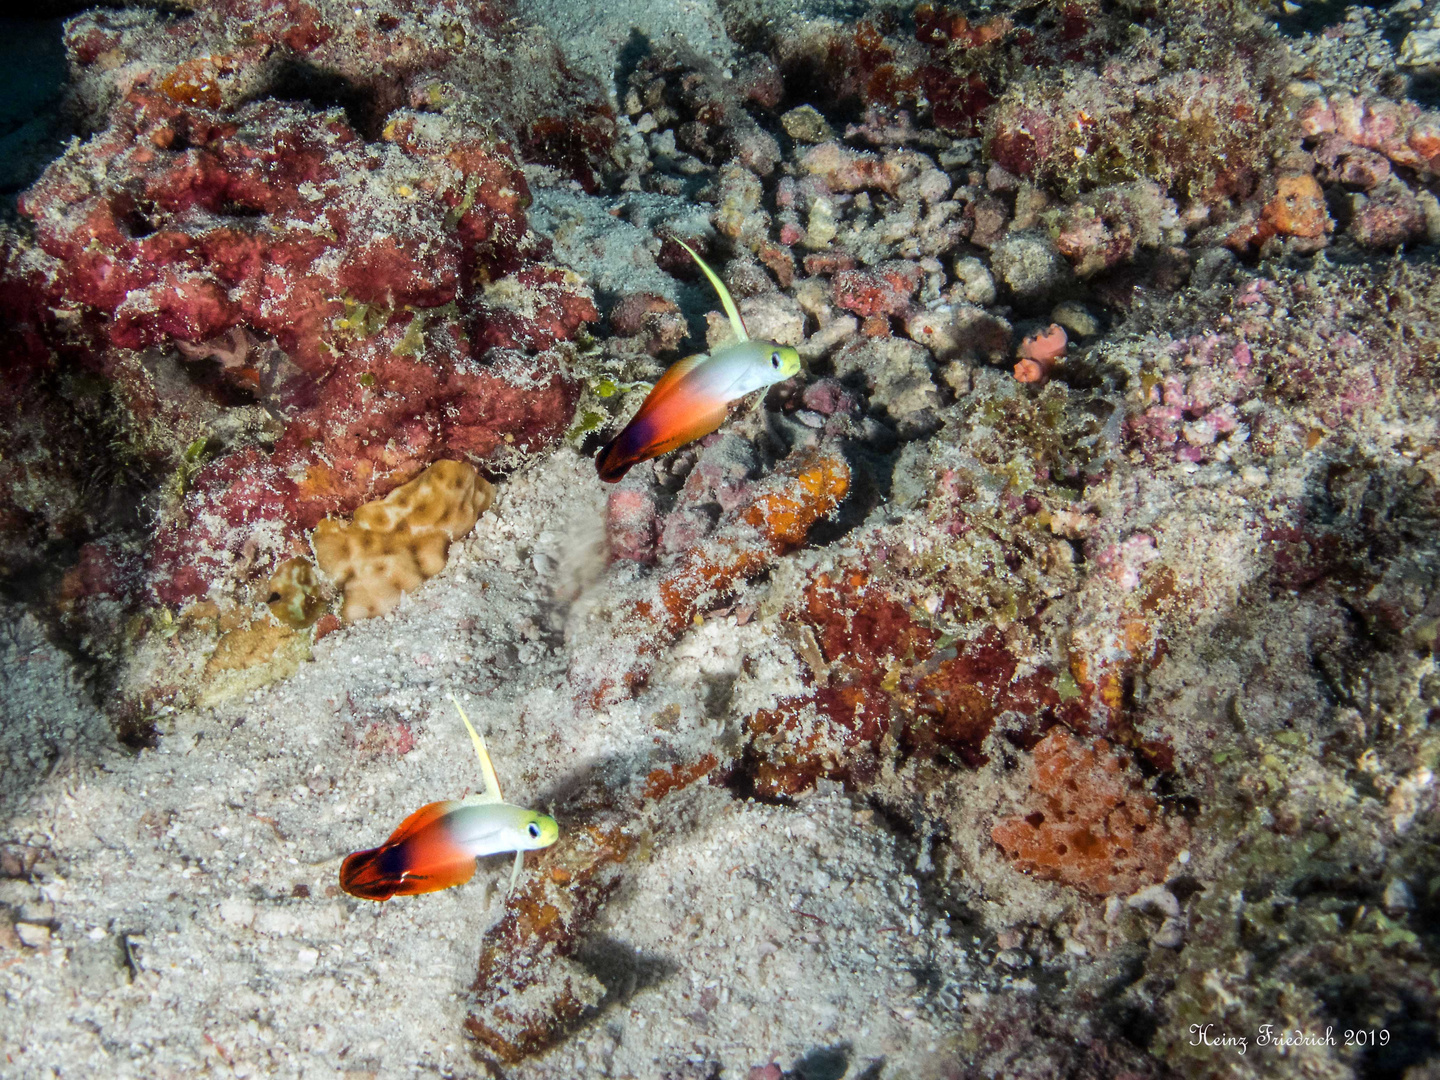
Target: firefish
[[692, 397], [437, 846]]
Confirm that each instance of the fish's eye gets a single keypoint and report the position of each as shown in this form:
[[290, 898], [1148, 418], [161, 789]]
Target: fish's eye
[[775, 359], [534, 831]]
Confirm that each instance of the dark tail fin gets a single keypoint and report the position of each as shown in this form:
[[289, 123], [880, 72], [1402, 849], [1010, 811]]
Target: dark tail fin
[[366, 875], [403, 870], [610, 464]]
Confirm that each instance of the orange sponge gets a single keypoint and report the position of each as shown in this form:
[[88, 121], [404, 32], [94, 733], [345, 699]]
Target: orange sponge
[[1093, 825]]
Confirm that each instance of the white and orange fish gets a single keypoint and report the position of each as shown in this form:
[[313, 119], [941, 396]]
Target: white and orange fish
[[437, 846], [693, 396]]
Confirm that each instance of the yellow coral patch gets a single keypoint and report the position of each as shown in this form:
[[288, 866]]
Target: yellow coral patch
[[246, 647], [396, 543], [250, 656]]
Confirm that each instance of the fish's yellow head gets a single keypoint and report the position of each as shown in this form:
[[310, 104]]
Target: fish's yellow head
[[539, 831], [784, 362]]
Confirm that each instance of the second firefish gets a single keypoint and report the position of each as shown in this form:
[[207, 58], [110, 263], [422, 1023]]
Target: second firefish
[[436, 846], [692, 397]]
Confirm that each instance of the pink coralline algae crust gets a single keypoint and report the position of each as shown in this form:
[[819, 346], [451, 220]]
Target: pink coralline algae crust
[[1187, 414], [202, 223], [1388, 217], [1401, 131], [654, 321], [631, 522], [362, 262], [883, 290], [1199, 133], [553, 305]]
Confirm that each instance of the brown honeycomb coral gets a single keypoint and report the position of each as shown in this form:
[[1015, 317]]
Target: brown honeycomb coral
[[396, 543], [1092, 825]]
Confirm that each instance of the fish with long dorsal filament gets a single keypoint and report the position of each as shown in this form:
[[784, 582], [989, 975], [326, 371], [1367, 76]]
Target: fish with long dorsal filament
[[437, 846], [692, 397]]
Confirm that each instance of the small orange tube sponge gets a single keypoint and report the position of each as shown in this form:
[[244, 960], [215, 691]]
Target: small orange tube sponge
[[1039, 352], [396, 543], [1093, 825]]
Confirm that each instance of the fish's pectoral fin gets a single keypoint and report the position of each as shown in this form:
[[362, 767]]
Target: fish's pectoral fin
[[487, 770], [726, 300]]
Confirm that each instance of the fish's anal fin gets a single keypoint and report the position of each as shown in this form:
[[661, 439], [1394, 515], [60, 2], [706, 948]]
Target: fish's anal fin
[[487, 770], [515, 871], [726, 300]]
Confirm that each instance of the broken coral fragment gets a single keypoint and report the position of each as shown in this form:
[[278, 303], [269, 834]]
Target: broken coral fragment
[[1039, 353], [1092, 825], [396, 543], [294, 596]]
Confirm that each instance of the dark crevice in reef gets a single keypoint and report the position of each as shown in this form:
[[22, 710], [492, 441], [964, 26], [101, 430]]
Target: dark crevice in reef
[[636, 48], [823, 1063], [35, 593], [1364, 1009], [364, 107], [63, 9], [82, 565], [34, 582], [741, 782], [1315, 16], [1423, 88]]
